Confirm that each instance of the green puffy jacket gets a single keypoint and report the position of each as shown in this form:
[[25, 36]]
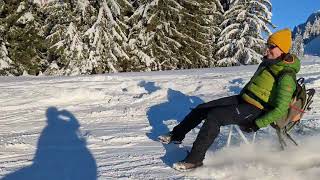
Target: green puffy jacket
[[266, 90]]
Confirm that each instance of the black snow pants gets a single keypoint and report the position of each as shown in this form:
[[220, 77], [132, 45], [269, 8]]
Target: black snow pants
[[216, 113]]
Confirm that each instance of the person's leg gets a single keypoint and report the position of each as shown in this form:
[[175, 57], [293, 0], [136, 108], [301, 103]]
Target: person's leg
[[220, 116], [200, 113]]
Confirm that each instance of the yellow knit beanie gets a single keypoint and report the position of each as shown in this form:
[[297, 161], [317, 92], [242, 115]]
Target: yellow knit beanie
[[282, 39]]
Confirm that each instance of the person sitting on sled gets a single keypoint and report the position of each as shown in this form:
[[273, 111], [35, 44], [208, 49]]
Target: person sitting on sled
[[263, 100]]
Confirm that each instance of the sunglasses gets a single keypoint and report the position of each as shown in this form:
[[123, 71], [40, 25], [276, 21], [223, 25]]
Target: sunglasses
[[271, 46]]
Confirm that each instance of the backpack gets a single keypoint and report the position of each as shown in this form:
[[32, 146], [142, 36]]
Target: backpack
[[300, 103]]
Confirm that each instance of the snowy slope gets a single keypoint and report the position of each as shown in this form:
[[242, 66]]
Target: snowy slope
[[312, 48], [104, 127]]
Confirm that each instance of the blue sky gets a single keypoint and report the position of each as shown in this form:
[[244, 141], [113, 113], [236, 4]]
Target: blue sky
[[289, 13]]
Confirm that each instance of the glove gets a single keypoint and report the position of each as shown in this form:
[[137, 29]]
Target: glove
[[250, 127]]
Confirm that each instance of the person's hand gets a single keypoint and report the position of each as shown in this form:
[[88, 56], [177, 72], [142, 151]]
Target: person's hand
[[250, 127]]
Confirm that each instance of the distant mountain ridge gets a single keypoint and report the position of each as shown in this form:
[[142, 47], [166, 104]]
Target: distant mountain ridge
[[302, 27], [309, 32]]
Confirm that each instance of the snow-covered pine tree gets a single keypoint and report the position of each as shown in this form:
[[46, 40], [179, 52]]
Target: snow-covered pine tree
[[307, 31], [200, 23], [5, 61], [315, 30], [298, 44], [78, 47], [176, 34], [64, 24], [241, 40], [106, 38], [117, 12], [98, 40], [58, 18], [22, 36], [74, 52], [151, 34], [89, 38], [138, 39]]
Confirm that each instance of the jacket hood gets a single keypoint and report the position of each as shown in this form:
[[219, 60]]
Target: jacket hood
[[290, 61], [287, 61]]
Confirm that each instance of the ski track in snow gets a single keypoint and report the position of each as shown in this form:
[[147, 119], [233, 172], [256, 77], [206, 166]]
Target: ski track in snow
[[109, 123]]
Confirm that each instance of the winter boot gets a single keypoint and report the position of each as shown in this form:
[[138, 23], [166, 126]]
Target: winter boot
[[186, 166], [169, 138]]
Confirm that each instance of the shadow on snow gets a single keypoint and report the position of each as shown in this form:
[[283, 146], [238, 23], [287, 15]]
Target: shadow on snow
[[178, 105], [235, 87], [149, 86], [61, 152]]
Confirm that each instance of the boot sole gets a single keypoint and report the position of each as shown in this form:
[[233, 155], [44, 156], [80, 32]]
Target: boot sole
[[174, 142], [184, 169], [166, 142]]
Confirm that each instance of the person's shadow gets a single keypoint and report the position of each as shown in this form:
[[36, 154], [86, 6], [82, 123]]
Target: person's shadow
[[176, 108], [61, 153], [236, 85]]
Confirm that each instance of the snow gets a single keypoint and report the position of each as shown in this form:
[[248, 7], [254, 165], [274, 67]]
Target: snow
[[108, 13], [83, 5], [105, 126], [21, 8], [43, 2], [115, 7], [27, 17]]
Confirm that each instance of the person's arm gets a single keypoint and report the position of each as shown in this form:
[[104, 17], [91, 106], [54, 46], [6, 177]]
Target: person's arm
[[72, 119], [285, 90]]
